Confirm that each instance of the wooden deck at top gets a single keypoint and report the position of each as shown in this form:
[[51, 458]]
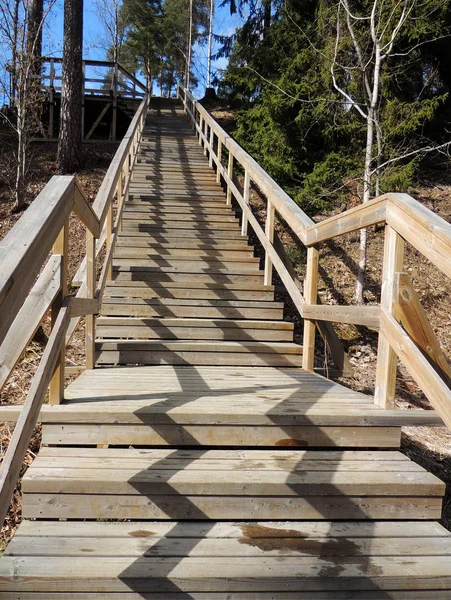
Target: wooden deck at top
[[198, 413]]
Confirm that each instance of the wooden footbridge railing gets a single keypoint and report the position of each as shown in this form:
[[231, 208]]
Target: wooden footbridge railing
[[404, 330], [34, 279]]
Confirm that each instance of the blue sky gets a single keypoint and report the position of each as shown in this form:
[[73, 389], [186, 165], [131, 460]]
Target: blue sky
[[224, 24]]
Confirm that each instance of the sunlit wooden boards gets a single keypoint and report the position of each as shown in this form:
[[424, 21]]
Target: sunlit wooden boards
[[228, 561], [219, 406], [228, 484]]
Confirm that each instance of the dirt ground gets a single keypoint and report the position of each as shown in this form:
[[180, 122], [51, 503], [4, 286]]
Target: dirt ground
[[428, 446]]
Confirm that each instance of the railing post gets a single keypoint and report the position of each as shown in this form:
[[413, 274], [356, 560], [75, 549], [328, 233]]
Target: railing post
[[387, 360], [200, 129], [109, 232], [310, 295], [230, 174], [269, 231], [206, 137], [210, 161], [219, 155], [90, 292], [246, 188], [56, 387]]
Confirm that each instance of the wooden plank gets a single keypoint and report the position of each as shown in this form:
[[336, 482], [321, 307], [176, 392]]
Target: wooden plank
[[57, 382], [13, 459], [85, 212], [428, 235], [90, 286], [269, 232], [385, 387], [168, 291], [80, 307], [106, 506], [354, 219], [30, 316], [368, 316], [25, 248], [434, 388], [192, 435], [281, 595], [282, 544], [408, 310], [310, 295]]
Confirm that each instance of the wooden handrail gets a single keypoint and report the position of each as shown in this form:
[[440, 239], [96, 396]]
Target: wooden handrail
[[405, 220], [26, 293]]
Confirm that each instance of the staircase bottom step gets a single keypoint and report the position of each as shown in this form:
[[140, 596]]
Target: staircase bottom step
[[228, 561]]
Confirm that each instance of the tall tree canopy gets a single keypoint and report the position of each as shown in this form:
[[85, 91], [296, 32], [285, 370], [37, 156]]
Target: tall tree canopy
[[305, 132]]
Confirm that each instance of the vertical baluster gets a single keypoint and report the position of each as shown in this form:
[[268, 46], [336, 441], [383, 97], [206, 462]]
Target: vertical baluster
[[201, 128], [210, 162], [205, 137], [386, 359], [269, 231], [90, 292], [246, 189], [310, 295], [230, 174], [56, 388], [218, 170]]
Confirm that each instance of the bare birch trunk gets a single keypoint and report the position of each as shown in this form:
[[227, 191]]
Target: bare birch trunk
[[369, 151]]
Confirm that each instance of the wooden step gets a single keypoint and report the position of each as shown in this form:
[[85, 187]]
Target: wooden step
[[162, 484], [227, 561], [237, 264], [203, 309], [193, 226], [164, 210], [185, 352], [166, 234], [166, 217], [176, 240], [194, 329], [141, 289], [168, 251], [207, 276]]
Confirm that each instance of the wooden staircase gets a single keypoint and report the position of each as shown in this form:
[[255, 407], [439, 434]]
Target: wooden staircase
[[186, 287], [199, 461]]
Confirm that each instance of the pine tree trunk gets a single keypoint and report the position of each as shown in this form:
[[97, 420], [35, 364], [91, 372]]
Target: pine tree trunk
[[70, 134], [34, 33]]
